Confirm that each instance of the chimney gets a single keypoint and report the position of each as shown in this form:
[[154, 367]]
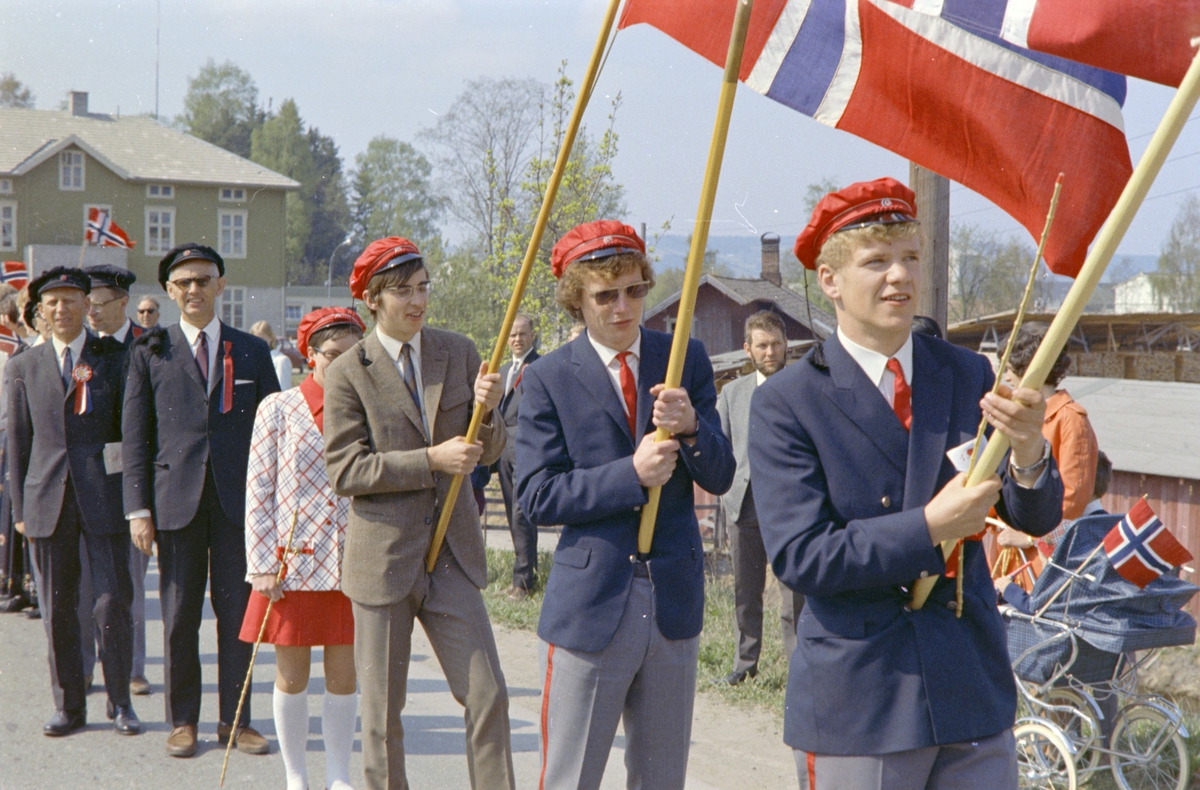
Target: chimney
[[770, 259], [79, 103]]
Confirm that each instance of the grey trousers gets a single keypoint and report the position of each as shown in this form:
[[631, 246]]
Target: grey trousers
[[987, 764], [452, 613], [749, 582], [138, 563], [642, 678]]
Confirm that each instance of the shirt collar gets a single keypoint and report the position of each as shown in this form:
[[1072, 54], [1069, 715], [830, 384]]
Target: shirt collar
[[759, 378], [393, 346], [121, 333], [873, 363], [75, 345], [192, 333], [607, 355]]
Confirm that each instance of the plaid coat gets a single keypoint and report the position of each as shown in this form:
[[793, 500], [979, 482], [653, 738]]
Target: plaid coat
[[286, 476]]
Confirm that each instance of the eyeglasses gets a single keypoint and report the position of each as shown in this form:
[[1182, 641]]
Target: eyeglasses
[[94, 305], [637, 291], [405, 292], [147, 311], [186, 283]]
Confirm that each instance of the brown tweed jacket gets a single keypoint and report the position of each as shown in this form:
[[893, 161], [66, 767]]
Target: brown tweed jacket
[[375, 453]]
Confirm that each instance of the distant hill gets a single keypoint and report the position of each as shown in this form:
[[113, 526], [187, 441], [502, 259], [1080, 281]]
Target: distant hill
[[740, 255]]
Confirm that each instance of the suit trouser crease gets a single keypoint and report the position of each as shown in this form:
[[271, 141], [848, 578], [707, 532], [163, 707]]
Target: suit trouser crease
[[749, 582], [451, 610], [524, 534], [210, 546], [641, 678], [59, 565], [139, 563]]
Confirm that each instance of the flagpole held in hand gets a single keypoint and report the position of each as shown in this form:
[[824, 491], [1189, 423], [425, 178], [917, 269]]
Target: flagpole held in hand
[[233, 729], [535, 243]]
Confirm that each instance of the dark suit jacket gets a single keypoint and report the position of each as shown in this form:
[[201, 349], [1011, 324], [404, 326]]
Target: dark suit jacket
[[135, 331], [511, 402], [47, 441], [575, 468], [172, 426], [840, 488]]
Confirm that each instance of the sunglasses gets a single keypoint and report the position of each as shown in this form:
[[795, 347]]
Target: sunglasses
[[186, 283], [148, 311], [637, 291]]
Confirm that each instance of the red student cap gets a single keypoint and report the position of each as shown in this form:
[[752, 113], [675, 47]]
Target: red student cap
[[379, 256], [592, 241], [323, 319], [884, 201]]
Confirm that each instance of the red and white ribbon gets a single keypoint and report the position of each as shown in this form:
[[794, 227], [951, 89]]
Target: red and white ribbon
[[227, 384], [83, 394]]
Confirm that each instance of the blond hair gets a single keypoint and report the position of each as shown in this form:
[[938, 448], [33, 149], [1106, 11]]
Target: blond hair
[[263, 330], [569, 294], [837, 248]]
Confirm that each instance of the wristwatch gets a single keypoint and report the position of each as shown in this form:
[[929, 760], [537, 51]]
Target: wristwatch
[[1022, 471]]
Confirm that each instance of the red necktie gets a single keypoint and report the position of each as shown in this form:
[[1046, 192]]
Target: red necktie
[[629, 391], [902, 400]]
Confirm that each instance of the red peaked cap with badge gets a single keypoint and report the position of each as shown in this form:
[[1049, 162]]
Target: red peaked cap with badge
[[379, 256], [323, 319], [592, 241], [884, 201]]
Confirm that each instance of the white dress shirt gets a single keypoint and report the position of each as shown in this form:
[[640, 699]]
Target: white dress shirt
[[121, 333], [514, 371], [213, 331], [874, 364], [76, 347], [609, 359], [393, 347]]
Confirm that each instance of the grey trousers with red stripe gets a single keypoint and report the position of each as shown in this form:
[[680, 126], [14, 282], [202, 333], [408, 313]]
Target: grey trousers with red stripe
[[642, 679], [986, 764]]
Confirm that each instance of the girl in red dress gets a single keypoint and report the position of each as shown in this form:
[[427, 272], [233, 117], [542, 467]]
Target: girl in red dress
[[286, 480]]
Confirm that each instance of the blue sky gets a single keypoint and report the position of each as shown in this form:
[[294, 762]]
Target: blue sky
[[359, 68]]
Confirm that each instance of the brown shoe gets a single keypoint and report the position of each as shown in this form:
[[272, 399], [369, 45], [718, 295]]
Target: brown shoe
[[182, 741], [247, 739], [139, 685], [517, 594]]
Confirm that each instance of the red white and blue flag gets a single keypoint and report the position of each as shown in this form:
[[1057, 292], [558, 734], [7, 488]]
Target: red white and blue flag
[[1141, 548], [907, 76], [15, 273], [8, 341], [103, 231]]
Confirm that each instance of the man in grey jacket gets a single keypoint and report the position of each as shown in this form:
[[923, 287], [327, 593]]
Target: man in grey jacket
[[766, 346]]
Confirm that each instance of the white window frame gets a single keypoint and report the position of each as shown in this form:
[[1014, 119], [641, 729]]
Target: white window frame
[[87, 207], [160, 191], [12, 234], [230, 251], [236, 194], [294, 313], [6, 186], [155, 247], [233, 307], [63, 158]]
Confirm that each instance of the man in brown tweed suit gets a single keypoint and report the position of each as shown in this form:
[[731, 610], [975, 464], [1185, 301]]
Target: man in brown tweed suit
[[397, 405]]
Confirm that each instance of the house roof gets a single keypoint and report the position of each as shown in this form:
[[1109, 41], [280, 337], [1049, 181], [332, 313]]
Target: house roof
[[1148, 427], [136, 148], [745, 291]]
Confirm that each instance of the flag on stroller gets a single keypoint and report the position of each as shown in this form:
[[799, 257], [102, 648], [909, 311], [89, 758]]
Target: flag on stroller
[[1141, 548]]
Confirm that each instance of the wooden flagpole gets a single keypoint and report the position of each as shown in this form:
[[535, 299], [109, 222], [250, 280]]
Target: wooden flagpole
[[1089, 277], [535, 242], [691, 277]]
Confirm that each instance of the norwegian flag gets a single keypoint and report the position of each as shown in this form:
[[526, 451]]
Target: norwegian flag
[[103, 231], [1141, 548], [15, 273], [8, 341]]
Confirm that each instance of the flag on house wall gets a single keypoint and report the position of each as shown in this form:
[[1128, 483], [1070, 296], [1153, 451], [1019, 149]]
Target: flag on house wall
[[103, 231], [1141, 548]]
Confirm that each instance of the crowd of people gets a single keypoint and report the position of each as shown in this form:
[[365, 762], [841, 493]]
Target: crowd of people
[[309, 511]]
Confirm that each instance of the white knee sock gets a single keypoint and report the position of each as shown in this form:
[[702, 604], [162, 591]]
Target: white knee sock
[[339, 713], [291, 725]]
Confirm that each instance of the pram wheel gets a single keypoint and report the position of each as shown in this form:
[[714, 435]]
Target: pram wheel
[[1148, 753], [1081, 726], [1044, 759]]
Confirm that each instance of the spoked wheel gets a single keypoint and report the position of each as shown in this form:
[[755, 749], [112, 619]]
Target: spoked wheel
[[1148, 752], [1044, 760], [1082, 727]]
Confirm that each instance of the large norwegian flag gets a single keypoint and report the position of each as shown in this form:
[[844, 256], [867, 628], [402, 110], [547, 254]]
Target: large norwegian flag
[[1001, 120], [1141, 548], [103, 231], [15, 273]]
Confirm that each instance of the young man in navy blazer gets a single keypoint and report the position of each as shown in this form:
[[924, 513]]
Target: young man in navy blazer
[[619, 631], [855, 493]]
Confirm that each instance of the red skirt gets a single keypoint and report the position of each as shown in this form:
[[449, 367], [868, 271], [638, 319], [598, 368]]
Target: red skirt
[[302, 618]]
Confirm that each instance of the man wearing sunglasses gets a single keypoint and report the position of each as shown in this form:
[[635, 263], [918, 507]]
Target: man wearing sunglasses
[[190, 401], [619, 630], [148, 312]]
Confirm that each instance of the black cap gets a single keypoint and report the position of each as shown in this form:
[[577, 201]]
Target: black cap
[[188, 252], [30, 314], [105, 276], [59, 277]]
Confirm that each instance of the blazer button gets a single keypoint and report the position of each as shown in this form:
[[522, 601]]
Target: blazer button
[[924, 574], [428, 520], [696, 454], [907, 608], [952, 605], [637, 508], [886, 501]]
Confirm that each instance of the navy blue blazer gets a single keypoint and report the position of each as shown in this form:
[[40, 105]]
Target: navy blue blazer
[[840, 489], [574, 467]]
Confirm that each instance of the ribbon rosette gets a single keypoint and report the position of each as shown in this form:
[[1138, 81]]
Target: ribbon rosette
[[83, 395]]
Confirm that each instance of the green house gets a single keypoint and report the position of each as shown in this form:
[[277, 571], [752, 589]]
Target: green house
[[161, 186]]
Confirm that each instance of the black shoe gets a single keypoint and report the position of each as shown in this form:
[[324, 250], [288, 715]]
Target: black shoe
[[64, 723], [33, 614], [124, 720], [15, 604], [736, 677]]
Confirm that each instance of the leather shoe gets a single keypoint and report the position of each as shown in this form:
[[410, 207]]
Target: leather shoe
[[247, 739], [15, 604], [33, 613], [139, 686], [182, 741], [64, 723], [124, 720], [517, 594], [736, 677]]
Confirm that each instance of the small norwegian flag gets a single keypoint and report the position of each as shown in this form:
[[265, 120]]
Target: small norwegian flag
[[1141, 548], [8, 341], [103, 231], [15, 273]]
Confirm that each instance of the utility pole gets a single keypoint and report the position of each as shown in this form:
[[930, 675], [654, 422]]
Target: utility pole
[[933, 210], [157, 50]]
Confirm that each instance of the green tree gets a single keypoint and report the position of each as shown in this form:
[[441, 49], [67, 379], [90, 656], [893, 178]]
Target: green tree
[[1175, 284], [330, 208], [393, 195], [221, 107], [13, 93], [988, 272], [282, 145]]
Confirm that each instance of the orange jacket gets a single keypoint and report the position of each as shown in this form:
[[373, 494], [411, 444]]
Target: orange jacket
[[1074, 447]]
